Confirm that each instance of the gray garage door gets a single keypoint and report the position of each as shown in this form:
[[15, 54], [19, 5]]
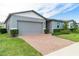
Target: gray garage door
[[27, 28]]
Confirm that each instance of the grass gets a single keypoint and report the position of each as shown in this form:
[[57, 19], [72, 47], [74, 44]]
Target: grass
[[15, 47], [72, 36]]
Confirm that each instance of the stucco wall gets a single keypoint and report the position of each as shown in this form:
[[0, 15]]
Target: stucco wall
[[54, 24], [70, 25], [12, 22], [78, 25], [8, 25]]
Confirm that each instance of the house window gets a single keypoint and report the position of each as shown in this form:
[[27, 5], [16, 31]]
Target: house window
[[70, 26], [57, 26]]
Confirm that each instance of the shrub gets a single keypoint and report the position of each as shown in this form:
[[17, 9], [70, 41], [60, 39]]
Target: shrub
[[3, 30], [57, 31], [77, 31], [46, 31], [60, 31], [72, 30], [65, 31], [14, 32]]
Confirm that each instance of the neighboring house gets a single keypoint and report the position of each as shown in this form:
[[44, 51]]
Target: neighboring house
[[59, 24], [30, 22], [77, 24], [71, 24], [54, 24], [27, 22]]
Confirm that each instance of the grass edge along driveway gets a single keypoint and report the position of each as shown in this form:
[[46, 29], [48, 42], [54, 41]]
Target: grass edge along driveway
[[16, 47], [72, 36]]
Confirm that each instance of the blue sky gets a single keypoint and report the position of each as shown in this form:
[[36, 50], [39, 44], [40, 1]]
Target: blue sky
[[60, 11]]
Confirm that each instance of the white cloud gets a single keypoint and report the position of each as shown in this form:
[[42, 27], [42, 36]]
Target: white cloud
[[55, 12], [70, 9], [46, 7]]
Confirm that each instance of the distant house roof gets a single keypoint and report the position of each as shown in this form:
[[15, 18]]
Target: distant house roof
[[71, 21], [24, 12], [55, 20]]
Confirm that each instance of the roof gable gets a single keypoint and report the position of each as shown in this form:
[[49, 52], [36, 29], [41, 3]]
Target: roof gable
[[30, 13]]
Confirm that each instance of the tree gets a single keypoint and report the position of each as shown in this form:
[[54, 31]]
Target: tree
[[75, 25], [66, 29], [65, 25]]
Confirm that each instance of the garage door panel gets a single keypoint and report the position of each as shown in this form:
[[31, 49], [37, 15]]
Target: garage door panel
[[26, 28]]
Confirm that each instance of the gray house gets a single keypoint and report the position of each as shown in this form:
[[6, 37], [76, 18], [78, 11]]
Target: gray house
[[54, 24], [31, 22], [71, 24], [27, 22], [78, 25]]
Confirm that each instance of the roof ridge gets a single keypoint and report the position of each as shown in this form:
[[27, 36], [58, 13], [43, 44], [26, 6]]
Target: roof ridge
[[22, 12]]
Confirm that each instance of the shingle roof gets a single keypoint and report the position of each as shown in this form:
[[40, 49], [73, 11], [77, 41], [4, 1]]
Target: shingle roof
[[55, 20]]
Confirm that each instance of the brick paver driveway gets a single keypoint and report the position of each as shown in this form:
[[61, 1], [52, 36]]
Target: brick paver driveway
[[46, 43]]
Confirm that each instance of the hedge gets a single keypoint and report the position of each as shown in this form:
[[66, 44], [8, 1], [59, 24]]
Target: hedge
[[3, 30], [60, 31]]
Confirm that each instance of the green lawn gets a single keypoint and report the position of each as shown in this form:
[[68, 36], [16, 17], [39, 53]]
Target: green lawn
[[71, 36], [15, 47]]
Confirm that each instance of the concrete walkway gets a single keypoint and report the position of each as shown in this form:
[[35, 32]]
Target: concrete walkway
[[46, 43], [72, 50]]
